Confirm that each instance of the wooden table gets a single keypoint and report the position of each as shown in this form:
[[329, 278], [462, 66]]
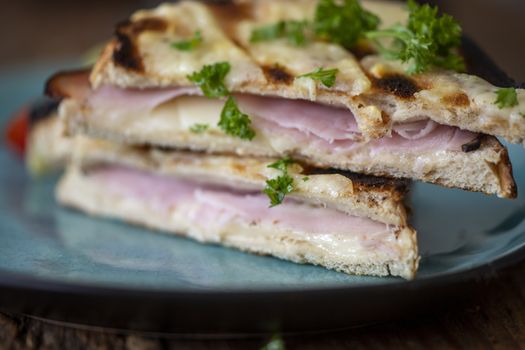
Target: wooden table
[[493, 319]]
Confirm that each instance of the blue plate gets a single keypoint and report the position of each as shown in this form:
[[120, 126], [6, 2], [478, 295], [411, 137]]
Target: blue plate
[[61, 264]]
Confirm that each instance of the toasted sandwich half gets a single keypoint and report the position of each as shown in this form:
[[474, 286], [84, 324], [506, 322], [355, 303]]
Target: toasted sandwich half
[[342, 221], [148, 88]]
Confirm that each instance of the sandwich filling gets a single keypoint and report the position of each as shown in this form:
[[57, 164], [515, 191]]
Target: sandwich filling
[[210, 207], [330, 128]]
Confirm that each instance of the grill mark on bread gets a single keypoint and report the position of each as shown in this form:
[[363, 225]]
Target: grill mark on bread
[[126, 53], [229, 14], [156, 24], [397, 84], [459, 99], [473, 145], [362, 50], [227, 11], [277, 74]]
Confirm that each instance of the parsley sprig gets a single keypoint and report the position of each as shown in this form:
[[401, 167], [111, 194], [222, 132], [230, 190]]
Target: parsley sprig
[[343, 23], [211, 81], [235, 123], [428, 40], [325, 76], [188, 45], [506, 97], [199, 128], [294, 31], [276, 189]]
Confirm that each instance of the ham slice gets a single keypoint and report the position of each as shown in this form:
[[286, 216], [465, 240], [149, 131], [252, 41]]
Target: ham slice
[[209, 204], [116, 99], [415, 130], [304, 121], [440, 137], [326, 122], [336, 128]]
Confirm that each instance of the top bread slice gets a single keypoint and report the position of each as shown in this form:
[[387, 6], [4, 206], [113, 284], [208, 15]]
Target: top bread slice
[[379, 93]]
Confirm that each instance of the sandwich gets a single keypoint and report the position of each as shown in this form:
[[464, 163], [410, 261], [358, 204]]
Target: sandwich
[[342, 221], [284, 79], [287, 128]]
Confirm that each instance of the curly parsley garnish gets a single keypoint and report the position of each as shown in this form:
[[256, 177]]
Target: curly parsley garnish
[[188, 45], [506, 97], [234, 122], [428, 40], [199, 128], [325, 76], [294, 31], [211, 79], [344, 23], [276, 189]]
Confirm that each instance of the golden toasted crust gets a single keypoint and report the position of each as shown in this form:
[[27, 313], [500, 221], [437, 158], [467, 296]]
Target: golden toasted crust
[[141, 56]]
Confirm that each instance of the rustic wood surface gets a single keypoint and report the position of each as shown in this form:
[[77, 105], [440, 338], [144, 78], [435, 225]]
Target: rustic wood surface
[[493, 319]]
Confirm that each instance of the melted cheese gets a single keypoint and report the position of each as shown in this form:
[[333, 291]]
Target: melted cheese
[[184, 20], [299, 60], [478, 112]]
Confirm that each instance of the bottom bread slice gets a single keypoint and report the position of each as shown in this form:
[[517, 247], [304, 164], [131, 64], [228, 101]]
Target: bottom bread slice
[[293, 231]]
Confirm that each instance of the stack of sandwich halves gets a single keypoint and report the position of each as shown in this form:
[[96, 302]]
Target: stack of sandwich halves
[[192, 122]]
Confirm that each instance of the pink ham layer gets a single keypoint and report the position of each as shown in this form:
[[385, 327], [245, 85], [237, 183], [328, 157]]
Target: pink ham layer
[[208, 204], [336, 129], [328, 127]]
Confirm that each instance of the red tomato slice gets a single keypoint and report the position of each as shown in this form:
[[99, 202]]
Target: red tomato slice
[[17, 130]]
